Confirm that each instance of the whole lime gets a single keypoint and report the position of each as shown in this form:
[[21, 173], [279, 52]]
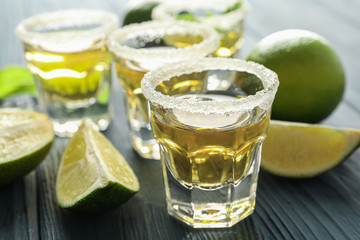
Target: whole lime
[[311, 75], [140, 13]]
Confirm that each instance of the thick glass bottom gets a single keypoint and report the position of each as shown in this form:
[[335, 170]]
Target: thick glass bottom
[[67, 120], [68, 128], [218, 207], [211, 215]]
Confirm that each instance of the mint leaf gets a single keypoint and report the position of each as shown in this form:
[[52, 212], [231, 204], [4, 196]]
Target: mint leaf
[[186, 16], [233, 8], [16, 80]]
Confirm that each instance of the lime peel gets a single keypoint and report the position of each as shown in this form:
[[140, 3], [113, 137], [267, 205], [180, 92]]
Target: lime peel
[[311, 74], [300, 150], [26, 137]]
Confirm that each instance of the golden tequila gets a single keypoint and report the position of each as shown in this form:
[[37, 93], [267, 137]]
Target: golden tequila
[[227, 17], [76, 78], [130, 73], [139, 48], [207, 157], [231, 42], [67, 54]]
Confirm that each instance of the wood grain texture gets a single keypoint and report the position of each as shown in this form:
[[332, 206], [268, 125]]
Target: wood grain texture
[[325, 207]]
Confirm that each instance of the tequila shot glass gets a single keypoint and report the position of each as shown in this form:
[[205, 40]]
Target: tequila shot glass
[[137, 49], [226, 16], [210, 132], [66, 51]]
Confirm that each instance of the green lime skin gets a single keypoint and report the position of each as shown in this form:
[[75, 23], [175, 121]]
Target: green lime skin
[[13, 170], [103, 199], [139, 14], [311, 75]]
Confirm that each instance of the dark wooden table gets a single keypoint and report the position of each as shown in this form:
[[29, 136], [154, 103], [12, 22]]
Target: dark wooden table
[[325, 207]]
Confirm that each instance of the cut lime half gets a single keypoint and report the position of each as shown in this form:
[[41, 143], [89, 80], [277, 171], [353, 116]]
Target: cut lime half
[[301, 150], [93, 176], [26, 137]]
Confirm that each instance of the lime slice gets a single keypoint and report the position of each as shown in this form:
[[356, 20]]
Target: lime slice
[[301, 150], [93, 176], [26, 137]]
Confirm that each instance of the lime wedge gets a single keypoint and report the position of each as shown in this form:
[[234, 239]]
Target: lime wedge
[[93, 176], [301, 150], [26, 137]]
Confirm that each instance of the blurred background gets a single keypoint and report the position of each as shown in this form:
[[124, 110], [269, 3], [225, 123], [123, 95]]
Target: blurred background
[[265, 17]]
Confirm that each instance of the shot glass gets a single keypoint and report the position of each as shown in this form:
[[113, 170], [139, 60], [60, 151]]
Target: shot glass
[[210, 131], [66, 52], [137, 49], [226, 16]]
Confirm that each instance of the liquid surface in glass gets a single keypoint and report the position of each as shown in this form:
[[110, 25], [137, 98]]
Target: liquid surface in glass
[[72, 78]]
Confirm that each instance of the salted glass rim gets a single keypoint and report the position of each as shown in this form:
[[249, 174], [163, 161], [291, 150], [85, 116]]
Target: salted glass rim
[[262, 98], [165, 11], [209, 44], [30, 30]]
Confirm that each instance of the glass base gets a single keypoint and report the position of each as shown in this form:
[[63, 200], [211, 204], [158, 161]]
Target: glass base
[[68, 128], [211, 215], [218, 207], [67, 119], [148, 149]]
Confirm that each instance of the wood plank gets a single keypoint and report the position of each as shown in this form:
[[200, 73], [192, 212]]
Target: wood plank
[[13, 217], [18, 200], [31, 205], [7, 210], [313, 201], [51, 226]]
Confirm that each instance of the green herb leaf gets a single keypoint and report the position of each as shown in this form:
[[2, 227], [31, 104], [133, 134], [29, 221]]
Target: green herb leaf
[[233, 8], [16, 80], [186, 16]]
